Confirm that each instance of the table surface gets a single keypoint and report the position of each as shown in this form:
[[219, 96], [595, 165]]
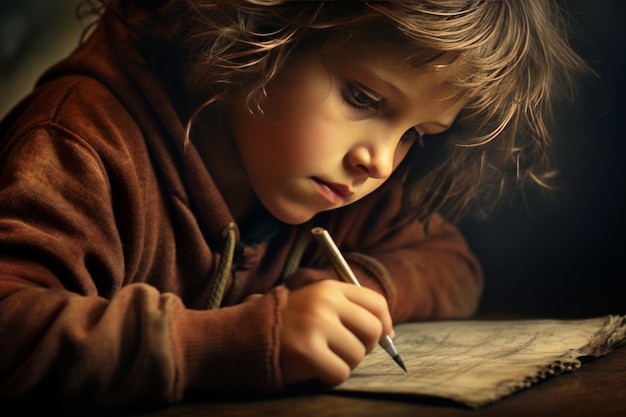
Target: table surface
[[596, 389]]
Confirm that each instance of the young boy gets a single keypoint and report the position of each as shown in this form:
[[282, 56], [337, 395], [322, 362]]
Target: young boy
[[158, 187]]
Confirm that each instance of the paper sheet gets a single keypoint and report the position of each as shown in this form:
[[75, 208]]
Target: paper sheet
[[477, 362]]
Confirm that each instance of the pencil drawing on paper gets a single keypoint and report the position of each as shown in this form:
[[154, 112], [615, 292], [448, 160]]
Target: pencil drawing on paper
[[478, 362]]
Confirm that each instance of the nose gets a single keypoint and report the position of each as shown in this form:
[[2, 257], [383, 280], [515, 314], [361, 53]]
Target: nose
[[374, 159]]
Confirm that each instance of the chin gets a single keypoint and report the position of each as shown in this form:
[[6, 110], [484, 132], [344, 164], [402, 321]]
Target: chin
[[292, 215], [296, 219]]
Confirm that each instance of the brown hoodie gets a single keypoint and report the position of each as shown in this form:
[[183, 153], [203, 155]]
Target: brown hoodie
[[111, 235]]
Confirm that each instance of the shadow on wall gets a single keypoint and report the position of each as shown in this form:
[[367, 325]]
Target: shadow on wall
[[561, 256]]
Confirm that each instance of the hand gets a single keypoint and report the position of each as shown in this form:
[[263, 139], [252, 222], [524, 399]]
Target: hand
[[328, 328], [252, 297]]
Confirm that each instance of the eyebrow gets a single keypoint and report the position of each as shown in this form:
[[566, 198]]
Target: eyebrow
[[401, 93], [387, 83]]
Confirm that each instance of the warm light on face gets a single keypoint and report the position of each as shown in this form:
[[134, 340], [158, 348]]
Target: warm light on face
[[336, 125]]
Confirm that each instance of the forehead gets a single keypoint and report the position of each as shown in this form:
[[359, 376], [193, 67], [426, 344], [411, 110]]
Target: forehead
[[399, 65]]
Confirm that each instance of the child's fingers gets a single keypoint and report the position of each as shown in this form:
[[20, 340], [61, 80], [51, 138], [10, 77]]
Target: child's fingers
[[372, 302], [351, 342], [328, 327], [362, 324], [307, 352], [334, 360]]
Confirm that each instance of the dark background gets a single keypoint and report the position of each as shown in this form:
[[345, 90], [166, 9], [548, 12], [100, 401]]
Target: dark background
[[563, 256], [559, 256]]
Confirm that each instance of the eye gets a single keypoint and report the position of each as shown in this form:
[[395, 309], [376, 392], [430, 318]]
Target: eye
[[358, 96], [412, 135]]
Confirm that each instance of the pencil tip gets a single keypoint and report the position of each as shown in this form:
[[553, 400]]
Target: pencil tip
[[399, 362]]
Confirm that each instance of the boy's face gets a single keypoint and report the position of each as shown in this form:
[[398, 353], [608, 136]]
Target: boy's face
[[336, 124]]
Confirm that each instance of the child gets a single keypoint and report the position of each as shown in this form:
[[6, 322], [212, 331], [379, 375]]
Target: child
[[158, 187]]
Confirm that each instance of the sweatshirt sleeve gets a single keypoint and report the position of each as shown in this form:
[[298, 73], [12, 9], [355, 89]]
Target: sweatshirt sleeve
[[139, 348], [426, 273], [435, 277], [79, 322]]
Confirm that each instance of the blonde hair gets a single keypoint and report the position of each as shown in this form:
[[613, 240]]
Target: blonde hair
[[513, 59]]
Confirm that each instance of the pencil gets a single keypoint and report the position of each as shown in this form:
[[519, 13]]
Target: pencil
[[345, 273]]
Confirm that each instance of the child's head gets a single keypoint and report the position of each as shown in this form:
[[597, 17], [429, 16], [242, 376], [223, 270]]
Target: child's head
[[336, 124], [503, 60]]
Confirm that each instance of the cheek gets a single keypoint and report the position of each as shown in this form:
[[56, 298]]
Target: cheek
[[308, 135], [301, 150], [301, 128], [282, 147]]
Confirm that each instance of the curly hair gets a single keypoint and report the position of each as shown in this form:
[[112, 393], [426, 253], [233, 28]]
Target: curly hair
[[514, 55]]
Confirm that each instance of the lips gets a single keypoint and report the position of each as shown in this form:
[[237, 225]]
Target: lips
[[339, 190]]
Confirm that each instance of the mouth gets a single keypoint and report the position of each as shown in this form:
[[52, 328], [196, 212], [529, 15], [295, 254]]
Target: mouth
[[340, 191]]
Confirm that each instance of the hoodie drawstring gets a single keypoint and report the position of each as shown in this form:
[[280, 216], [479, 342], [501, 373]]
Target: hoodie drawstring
[[294, 257], [220, 276]]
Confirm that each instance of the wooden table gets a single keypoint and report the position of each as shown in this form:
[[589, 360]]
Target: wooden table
[[596, 389]]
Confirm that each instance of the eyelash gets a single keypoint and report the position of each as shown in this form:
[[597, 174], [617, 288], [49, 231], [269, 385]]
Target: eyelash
[[354, 96], [412, 135], [358, 98]]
